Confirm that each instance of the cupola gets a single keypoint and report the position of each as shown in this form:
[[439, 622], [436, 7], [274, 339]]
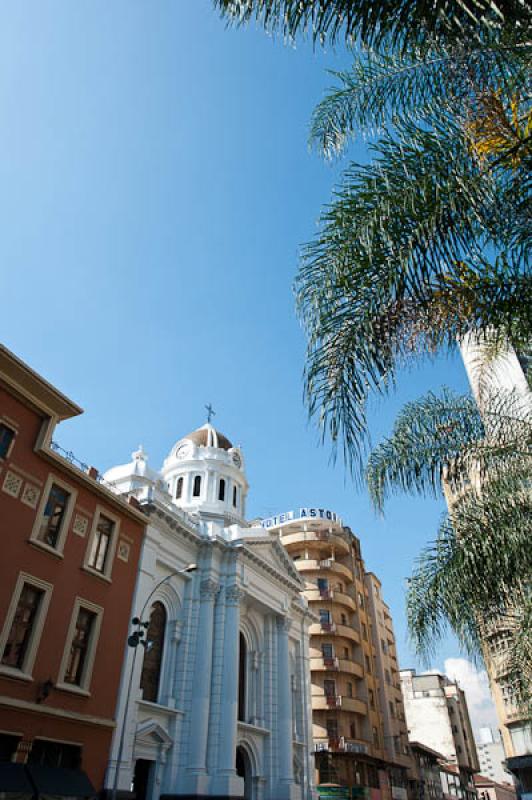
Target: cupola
[[204, 473]]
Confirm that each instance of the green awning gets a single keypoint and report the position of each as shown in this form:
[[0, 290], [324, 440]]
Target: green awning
[[14, 780], [60, 782]]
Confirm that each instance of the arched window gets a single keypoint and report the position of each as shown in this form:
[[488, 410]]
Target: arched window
[[234, 495], [221, 490], [197, 486], [153, 654], [242, 666], [179, 488]]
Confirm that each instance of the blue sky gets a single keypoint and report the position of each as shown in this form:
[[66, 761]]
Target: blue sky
[[155, 189]]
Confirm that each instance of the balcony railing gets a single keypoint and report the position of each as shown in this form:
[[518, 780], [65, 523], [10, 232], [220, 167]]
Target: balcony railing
[[326, 594], [333, 700], [339, 743], [331, 662], [326, 563], [328, 627]]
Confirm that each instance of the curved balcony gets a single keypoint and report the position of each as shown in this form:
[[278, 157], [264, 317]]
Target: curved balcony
[[322, 664], [352, 667], [335, 664], [345, 599], [323, 629], [346, 632], [324, 540], [324, 565], [317, 596], [340, 745], [322, 702]]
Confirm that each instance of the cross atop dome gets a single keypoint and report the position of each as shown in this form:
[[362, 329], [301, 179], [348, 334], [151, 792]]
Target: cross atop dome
[[210, 412]]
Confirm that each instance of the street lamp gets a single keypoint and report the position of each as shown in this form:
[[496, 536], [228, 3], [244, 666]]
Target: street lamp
[[133, 640]]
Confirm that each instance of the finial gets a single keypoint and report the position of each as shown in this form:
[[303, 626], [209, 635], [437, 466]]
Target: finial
[[210, 412], [139, 455]]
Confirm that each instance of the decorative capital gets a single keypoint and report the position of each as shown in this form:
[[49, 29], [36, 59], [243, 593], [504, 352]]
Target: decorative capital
[[284, 624], [233, 594], [209, 588]]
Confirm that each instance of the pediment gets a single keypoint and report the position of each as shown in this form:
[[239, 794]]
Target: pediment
[[150, 732], [271, 551]]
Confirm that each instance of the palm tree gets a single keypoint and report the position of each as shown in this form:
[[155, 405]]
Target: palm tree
[[430, 239], [478, 572]]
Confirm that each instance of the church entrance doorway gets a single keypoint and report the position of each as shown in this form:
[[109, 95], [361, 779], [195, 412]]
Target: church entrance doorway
[[143, 778], [243, 770]]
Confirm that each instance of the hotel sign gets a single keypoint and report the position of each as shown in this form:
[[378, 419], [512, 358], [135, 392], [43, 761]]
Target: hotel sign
[[301, 514]]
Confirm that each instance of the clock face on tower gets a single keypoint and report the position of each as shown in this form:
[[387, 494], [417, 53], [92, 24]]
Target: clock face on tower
[[237, 461], [183, 450]]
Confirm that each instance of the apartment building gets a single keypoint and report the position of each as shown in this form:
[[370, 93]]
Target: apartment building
[[70, 552], [437, 716], [352, 746]]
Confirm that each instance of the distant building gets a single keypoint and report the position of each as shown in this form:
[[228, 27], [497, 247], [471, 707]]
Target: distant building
[[68, 566], [426, 772], [220, 697], [355, 682], [488, 789], [437, 716], [491, 757]]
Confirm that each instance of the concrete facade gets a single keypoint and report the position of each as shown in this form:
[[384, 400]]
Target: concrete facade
[[437, 716], [493, 378]]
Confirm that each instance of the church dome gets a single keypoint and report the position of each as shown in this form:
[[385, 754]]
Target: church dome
[[208, 436]]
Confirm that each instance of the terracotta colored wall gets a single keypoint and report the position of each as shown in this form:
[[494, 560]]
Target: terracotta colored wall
[[69, 580]]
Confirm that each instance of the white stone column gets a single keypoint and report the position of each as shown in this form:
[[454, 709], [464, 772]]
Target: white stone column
[[201, 692], [284, 700], [227, 781]]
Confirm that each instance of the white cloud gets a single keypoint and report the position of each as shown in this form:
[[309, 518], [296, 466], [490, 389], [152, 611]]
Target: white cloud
[[475, 684]]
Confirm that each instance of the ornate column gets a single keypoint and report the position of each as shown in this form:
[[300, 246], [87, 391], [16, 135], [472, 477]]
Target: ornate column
[[201, 692], [229, 701], [284, 704], [256, 696]]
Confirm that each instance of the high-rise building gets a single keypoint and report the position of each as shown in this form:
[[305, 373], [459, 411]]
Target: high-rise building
[[492, 379], [437, 716], [350, 697]]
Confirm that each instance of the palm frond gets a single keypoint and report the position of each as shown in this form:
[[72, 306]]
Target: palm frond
[[397, 267], [403, 22], [383, 83]]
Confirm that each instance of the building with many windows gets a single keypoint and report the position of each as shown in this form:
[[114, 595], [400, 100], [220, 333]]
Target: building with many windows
[[70, 552], [349, 669], [495, 379], [219, 701], [437, 716]]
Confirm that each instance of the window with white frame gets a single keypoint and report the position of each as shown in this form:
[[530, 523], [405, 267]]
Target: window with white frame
[[102, 543], [54, 514], [23, 625], [80, 647]]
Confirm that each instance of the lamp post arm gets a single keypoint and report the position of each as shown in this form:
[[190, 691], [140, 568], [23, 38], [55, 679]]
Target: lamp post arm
[[158, 585]]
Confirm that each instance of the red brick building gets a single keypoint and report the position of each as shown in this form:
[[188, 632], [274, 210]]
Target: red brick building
[[68, 565]]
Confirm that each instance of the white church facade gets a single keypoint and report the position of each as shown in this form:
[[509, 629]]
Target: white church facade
[[217, 705]]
